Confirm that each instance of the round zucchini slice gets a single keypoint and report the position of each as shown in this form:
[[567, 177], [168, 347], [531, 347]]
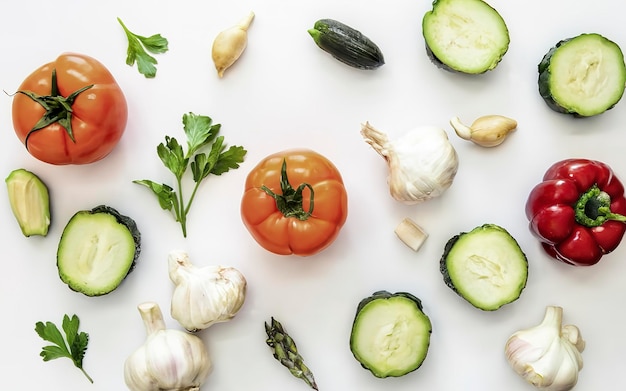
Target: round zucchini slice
[[583, 76], [467, 36], [97, 250], [390, 334], [485, 266]]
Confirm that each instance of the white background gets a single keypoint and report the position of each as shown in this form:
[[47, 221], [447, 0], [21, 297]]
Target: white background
[[283, 93]]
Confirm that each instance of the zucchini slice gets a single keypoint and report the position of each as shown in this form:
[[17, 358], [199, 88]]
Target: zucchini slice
[[30, 202], [467, 36], [390, 334], [97, 250], [485, 266], [346, 44], [583, 76]]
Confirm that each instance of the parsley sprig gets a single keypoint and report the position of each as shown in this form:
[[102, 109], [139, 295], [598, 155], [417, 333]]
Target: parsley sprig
[[138, 48], [201, 134], [75, 347]]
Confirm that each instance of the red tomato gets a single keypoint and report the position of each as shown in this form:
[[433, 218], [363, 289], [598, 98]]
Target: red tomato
[[89, 130], [294, 202]]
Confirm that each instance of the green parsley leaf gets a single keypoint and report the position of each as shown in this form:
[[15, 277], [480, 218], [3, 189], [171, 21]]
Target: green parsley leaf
[[75, 348], [200, 133], [138, 48]]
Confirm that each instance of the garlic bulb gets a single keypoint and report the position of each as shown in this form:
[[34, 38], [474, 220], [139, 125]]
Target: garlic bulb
[[548, 356], [486, 131], [230, 44], [422, 164], [204, 295], [169, 359]]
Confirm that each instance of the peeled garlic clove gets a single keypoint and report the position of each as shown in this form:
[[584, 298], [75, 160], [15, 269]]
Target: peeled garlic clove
[[486, 131], [411, 234], [230, 44]]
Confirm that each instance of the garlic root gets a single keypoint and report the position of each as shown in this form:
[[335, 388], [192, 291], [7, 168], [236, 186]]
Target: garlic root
[[486, 131], [230, 44], [411, 234]]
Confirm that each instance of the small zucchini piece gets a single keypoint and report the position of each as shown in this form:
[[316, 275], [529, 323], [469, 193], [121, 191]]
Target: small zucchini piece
[[485, 266], [466, 36], [30, 202], [582, 76], [97, 250], [346, 44], [390, 334]]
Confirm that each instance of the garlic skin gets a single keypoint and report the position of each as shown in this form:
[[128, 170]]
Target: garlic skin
[[422, 163], [206, 295], [169, 359], [486, 131], [230, 44], [548, 356]]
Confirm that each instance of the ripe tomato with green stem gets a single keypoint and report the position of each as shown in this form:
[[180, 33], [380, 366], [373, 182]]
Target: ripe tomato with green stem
[[70, 111], [294, 202]]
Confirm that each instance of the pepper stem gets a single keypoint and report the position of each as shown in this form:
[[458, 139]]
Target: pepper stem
[[289, 203], [593, 208]]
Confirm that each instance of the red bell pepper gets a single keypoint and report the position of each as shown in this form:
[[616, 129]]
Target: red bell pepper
[[578, 211]]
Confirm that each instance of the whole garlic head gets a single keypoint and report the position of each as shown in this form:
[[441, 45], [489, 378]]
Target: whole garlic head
[[548, 356], [422, 163], [206, 295], [169, 359]]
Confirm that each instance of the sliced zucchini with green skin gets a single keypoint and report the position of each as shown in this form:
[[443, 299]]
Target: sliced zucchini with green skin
[[97, 250], [467, 36], [485, 266], [30, 202], [583, 76], [346, 44], [390, 334]]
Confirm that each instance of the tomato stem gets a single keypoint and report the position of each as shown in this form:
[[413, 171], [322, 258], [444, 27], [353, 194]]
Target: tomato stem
[[289, 203], [58, 108], [593, 208]]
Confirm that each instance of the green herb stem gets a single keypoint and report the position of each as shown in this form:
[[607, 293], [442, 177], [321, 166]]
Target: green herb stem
[[201, 133]]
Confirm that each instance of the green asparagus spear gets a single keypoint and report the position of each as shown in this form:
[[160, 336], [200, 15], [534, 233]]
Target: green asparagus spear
[[285, 351]]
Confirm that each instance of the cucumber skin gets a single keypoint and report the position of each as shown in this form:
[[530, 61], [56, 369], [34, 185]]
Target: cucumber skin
[[346, 44], [443, 267], [544, 82], [129, 223]]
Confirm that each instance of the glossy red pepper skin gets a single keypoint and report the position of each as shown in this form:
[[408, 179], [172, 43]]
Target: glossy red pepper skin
[[566, 218]]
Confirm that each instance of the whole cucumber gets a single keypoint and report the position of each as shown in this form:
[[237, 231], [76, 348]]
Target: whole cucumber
[[346, 44]]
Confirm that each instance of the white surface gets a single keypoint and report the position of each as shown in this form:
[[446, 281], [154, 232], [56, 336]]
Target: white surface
[[284, 92]]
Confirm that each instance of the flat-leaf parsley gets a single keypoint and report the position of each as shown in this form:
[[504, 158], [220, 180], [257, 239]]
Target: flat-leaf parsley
[[75, 347], [201, 133], [138, 48]]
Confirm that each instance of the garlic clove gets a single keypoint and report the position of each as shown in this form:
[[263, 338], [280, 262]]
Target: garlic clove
[[486, 131], [230, 44], [411, 234]]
